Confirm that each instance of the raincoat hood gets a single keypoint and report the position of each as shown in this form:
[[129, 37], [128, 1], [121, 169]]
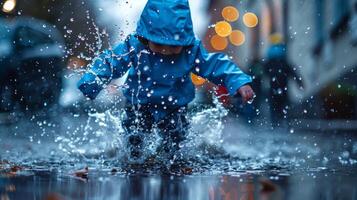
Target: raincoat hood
[[167, 22]]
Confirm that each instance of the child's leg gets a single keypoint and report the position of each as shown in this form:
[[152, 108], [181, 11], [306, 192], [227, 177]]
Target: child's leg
[[138, 122], [173, 130]]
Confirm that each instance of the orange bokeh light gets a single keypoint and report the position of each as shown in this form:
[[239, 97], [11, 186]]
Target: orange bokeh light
[[223, 28], [197, 80], [237, 37], [219, 43], [250, 20], [230, 13]]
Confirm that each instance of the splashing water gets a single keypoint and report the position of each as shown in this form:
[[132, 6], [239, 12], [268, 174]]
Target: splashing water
[[206, 128], [100, 134], [103, 137]]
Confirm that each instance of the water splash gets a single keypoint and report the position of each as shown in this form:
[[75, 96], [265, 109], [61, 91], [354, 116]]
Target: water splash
[[103, 137], [101, 134]]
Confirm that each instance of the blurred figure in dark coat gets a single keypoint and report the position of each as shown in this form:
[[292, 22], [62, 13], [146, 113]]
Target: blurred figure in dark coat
[[256, 69], [279, 71]]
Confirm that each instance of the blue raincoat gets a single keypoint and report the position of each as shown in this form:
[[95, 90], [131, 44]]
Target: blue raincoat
[[158, 80]]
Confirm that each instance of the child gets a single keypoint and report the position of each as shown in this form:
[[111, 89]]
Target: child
[[160, 57]]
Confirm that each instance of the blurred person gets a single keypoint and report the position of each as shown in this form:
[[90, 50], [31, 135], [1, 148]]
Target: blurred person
[[160, 57], [256, 69], [279, 70]]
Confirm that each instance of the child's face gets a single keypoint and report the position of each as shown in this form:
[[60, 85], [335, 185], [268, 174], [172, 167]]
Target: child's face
[[165, 49]]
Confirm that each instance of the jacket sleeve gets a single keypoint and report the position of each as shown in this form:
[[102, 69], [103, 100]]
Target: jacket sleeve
[[220, 70], [110, 64]]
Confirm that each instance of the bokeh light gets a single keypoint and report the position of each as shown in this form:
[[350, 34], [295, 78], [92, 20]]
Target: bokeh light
[[223, 28], [197, 80], [250, 20], [237, 37], [9, 6], [219, 43], [230, 13]]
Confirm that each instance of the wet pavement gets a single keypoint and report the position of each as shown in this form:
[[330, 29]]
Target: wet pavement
[[238, 185], [256, 163]]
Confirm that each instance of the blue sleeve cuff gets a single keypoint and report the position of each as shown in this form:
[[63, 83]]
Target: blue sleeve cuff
[[238, 83], [89, 85]]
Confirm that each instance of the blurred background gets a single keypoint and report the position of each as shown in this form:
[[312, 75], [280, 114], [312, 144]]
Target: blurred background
[[300, 53]]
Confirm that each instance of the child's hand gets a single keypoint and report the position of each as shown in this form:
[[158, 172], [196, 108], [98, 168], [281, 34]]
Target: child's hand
[[247, 93]]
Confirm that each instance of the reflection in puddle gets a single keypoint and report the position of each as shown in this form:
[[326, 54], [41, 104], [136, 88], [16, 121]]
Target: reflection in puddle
[[105, 185]]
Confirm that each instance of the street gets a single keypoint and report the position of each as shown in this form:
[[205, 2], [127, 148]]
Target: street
[[256, 164]]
